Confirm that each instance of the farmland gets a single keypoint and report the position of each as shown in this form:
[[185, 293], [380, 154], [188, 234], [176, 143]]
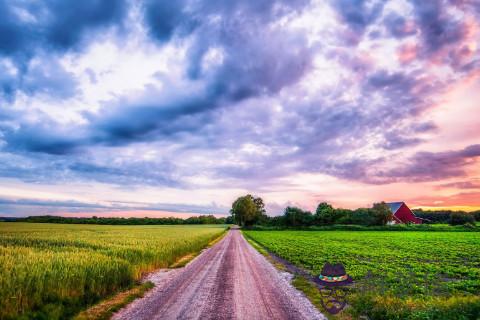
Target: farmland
[[398, 275], [53, 270]]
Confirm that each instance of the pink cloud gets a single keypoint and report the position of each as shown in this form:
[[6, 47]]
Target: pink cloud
[[407, 53]]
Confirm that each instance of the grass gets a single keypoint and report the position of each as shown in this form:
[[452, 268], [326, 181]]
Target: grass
[[105, 309], [397, 227], [53, 271], [398, 275]]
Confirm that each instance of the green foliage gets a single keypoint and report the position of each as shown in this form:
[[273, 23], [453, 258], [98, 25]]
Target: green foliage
[[427, 275], [247, 210], [476, 214], [360, 216], [297, 217], [444, 216], [51, 271], [381, 214], [325, 214], [458, 218]]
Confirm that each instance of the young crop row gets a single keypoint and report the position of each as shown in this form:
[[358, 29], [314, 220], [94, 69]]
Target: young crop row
[[52, 271], [406, 266]]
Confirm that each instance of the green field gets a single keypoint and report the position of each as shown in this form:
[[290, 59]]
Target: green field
[[53, 270], [398, 275]]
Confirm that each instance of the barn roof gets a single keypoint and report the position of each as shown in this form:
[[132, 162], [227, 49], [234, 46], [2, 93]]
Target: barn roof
[[394, 206]]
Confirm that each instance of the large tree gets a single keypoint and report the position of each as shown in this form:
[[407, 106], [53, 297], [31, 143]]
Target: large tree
[[325, 214], [247, 210]]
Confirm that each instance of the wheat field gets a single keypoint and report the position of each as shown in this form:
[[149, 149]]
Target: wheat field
[[54, 270]]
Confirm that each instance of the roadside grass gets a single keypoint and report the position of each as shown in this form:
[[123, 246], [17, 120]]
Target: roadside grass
[[53, 271], [411, 275], [106, 308]]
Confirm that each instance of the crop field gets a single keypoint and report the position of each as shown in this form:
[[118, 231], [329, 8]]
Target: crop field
[[53, 270], [398, 275]]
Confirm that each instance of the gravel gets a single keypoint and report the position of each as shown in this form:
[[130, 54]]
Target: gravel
[[230, 280]]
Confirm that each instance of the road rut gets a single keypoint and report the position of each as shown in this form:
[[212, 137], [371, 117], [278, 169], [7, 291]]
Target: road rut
[[230, 280]]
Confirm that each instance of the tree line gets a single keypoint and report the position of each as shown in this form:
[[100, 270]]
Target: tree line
[[250, 210], [448, 216], [204, 219]]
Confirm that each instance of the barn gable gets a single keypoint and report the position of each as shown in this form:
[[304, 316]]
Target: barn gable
[[402, 213], [394, 206]]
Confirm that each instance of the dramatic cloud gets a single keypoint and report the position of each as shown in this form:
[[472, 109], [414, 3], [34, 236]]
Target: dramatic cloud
[[235, 96], [42, 207], [437, 165]]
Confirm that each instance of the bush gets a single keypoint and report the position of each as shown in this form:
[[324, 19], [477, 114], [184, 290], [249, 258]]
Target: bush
[[461, 218]]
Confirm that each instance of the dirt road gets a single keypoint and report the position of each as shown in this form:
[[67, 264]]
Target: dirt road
[[230, 280]]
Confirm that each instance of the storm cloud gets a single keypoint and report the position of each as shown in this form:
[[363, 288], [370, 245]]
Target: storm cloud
[[230, 94]]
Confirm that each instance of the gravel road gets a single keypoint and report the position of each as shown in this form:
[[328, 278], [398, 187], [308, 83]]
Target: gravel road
[[230, 280]]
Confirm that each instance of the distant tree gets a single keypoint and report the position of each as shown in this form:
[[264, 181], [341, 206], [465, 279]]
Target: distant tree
[[245, 211], [458, 218], [277, 221], [433, 216], [343, 216], [476, 214], [230, 220], [325, 214], [297, 217], [381, 213], [203, 219]]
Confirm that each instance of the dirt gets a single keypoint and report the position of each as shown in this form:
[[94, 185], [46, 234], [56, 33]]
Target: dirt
[[230, 280]]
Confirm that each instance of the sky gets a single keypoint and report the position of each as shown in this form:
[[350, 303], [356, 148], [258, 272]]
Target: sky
[[154, 108]]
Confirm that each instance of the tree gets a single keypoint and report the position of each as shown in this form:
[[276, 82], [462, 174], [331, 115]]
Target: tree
[[460, 218], [297, 217], [230, 220], [381, 213], [325, 214], [246, 210], [260, 205], [262, 217], [476, 214]]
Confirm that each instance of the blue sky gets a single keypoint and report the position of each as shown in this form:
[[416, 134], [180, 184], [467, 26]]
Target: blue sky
[[158, 108]]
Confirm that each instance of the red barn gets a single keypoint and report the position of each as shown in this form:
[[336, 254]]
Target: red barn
[[402, 213]]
